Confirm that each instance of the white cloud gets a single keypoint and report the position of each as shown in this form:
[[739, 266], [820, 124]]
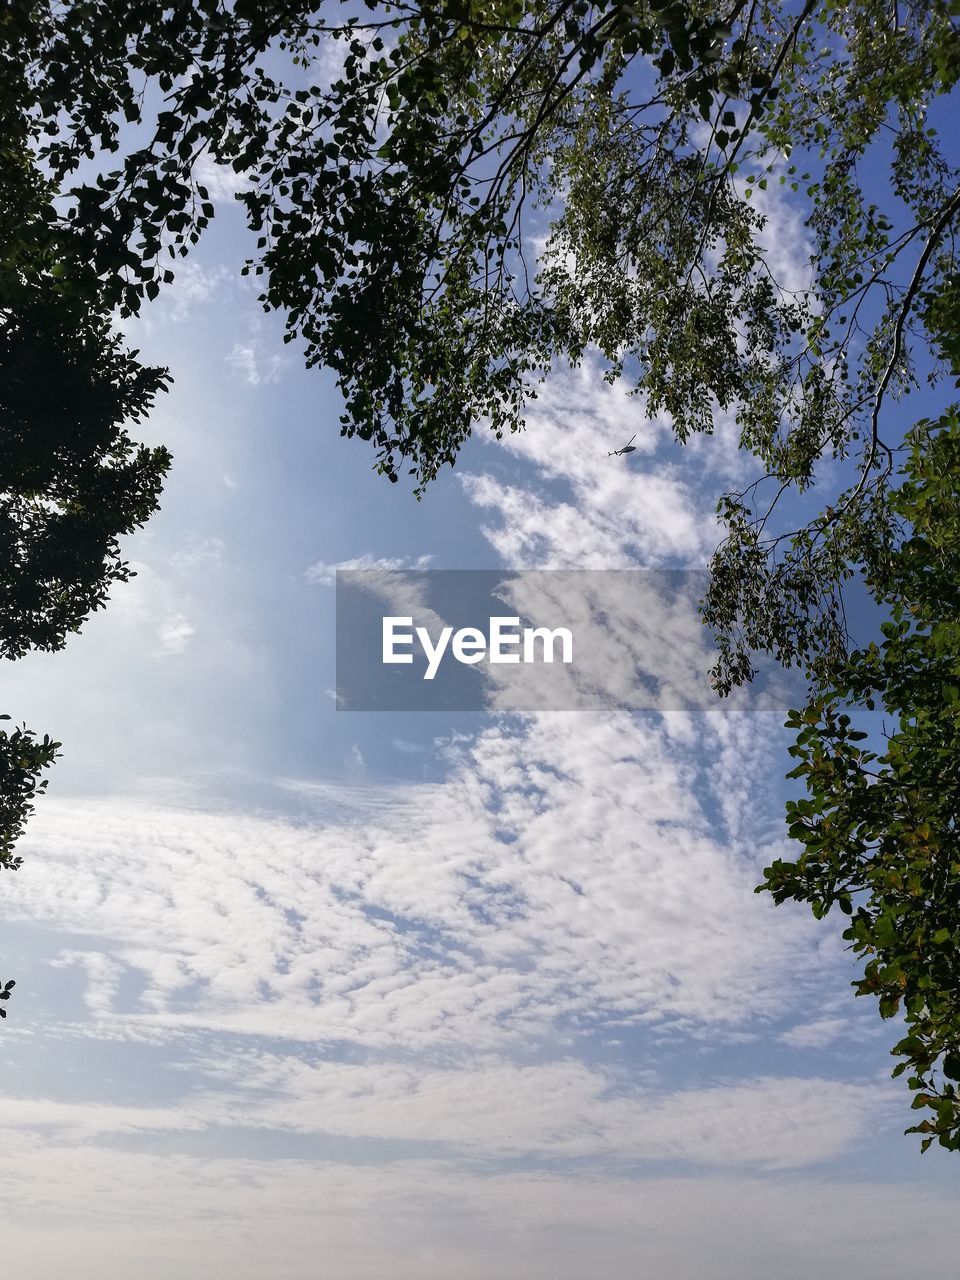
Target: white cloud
[[173, 635], [222, 181], [103, 974], [816, 1034], [204, 554], [324, 573], [498, 1110], [110, 1212], [639, 510], [786, 240], [564, 878], [194, 286], [152, 608], [255, 364]]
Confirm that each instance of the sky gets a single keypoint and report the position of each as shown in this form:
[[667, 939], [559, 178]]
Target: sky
[[401, 996]]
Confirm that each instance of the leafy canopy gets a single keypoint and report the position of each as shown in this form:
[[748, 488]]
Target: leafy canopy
[[72, 482], [880, 829], [398, 163]]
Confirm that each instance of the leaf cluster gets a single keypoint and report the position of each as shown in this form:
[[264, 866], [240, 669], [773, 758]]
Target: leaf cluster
[[880, 826], [23, 757], [72, 482]]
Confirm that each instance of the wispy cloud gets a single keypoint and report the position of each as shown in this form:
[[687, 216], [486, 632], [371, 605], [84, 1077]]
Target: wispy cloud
[[498, 1111], [223, 182], [816, 1034], [256, 364], [324, 574], [544, 885], [110, 1211], [582, 509]]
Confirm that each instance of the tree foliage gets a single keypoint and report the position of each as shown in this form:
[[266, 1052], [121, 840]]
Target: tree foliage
[[22, 758], [395, 198], [880, 829], [72, 482]]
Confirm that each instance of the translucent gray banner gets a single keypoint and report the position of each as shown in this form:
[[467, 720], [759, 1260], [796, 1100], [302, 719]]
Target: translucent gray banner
[[520, 641]]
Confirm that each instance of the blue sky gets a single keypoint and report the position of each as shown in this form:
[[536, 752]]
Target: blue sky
[[401, 996]]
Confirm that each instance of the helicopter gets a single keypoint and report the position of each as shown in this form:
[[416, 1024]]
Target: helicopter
[[629, 447]]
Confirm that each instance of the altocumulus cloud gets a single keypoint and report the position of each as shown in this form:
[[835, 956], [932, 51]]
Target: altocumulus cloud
[[451, 952], [549, 884]]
